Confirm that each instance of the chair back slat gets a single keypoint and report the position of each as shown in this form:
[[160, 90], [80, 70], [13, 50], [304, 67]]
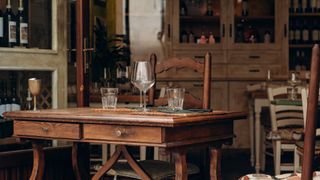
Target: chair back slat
[[310, 132]]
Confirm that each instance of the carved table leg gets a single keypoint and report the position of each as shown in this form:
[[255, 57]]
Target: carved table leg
[[38, 162], [121, 149], [215, 164], [181, 166], [80, 160]]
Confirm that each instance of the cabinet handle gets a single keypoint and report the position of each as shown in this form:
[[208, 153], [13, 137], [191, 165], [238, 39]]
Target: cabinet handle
[[230, 33], [169, 28], [118, 133], [254, 70], [254, 57], [197, 85], [45, 129], [198, 57], [223, 30], [285, 30]]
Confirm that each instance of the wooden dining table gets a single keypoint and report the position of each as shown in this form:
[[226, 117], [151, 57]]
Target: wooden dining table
[[177, 132]]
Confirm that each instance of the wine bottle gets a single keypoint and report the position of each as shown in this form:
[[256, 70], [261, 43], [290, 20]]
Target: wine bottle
[[302, 61], [209, 8], [1, 29], [9, 26], [313, 5], [297, 33], [298, 64], [2, 104], [6, 99], [303, 6], [318, 6], [292, 29], [244, 8], [305, 33], [14, 99], [22, 26], [297, 6], [291, 8], [315, 32]]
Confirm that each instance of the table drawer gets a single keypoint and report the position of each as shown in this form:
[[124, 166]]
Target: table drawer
[[122, 133], [255, 57], [47, 129]]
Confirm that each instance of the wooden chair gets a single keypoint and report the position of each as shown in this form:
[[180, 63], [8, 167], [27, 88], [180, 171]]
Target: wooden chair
[[159, 169], [286, 121]]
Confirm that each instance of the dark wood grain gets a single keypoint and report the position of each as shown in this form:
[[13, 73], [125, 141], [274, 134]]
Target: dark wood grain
[[215, 163], [181, 165], [310, 129], [38, 162]]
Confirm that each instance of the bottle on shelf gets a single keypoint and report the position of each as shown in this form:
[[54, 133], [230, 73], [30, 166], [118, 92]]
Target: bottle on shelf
[[244, 8], [303, 61], [1, 29], [209, 8], [304, 6], [203, 39], [14, 99], [305, 33], [22, 26], [297, 6], [183, 8], [318, 6], [297, 33], [211, 39], [292, 29], [313, 6], [291, 8], [2, 104], [10, 36], [240, 31], [6, 99], [191, 37], [297, 61], [315, 32], [184, 36]]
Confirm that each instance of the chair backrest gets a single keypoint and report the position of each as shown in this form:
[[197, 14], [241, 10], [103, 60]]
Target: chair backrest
[[311, 118], [283, 115], [188, 63]]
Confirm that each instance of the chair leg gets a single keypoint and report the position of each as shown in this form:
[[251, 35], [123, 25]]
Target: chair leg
[[296, 160], [277, 156], [263, 149]]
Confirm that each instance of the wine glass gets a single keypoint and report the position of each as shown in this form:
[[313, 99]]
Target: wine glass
[[34, 87], [142, 77]]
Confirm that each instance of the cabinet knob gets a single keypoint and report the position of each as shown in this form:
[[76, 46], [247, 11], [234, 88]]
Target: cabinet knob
[[45, 129]]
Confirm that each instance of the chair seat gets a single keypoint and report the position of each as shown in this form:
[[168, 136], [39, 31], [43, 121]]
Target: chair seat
[[155, 168], [290, 134], [300, 145]]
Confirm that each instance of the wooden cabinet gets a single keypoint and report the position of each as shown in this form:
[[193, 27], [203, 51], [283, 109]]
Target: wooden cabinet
[[245, 46]]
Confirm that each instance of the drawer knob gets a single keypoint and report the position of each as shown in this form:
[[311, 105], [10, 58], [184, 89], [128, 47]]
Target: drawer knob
[[45, 129], [118, 133]]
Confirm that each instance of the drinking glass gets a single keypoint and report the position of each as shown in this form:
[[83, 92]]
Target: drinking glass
[[142, 77], [35, 88]]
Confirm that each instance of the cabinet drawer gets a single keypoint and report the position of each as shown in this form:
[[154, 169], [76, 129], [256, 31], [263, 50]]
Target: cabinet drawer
[[216, 56], [255, 57], [47, 129], [252, 71], [122, 133]]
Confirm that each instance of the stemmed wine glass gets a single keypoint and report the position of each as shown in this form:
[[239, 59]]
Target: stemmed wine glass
[[34, 87], [142, 77]]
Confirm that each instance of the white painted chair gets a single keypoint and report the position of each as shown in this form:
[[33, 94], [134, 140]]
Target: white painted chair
[[286, 121]]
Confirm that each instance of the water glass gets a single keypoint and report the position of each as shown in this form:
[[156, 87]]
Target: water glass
[[175, 98], [109, 97]]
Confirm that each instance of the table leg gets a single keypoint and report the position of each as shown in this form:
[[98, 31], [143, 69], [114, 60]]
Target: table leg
[[251, 126], [121, 149], [38, 162], [80, 160], [257, 135], [181, 166], [215, 164]]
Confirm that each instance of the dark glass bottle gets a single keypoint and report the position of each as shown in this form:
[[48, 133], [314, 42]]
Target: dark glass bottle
[[1, 29], [14, 99], [2, 105], [297, 33], [292, 29], [291, 8], [22, 26], [305, 33], [244, 8], [6, 99], [10, 37]]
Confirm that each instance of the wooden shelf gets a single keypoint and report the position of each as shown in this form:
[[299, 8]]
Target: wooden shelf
[[256, 18], [200, 19], [304, 14], [300, 45]]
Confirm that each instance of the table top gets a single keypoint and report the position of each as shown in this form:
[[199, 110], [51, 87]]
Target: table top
[[125, 116]]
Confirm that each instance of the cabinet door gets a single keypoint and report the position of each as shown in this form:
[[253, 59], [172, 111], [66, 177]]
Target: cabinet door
[[199, 23], [255, 24]]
